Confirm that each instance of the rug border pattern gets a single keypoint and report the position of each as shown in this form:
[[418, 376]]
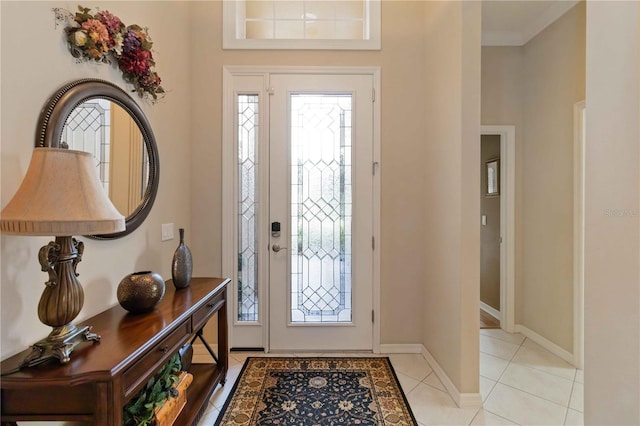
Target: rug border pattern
[[405, 408]]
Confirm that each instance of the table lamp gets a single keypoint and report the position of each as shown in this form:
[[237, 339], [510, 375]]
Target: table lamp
[[61, 195]]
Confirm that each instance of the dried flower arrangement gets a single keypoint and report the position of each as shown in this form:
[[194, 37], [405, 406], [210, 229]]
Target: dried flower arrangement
[[103, 37]]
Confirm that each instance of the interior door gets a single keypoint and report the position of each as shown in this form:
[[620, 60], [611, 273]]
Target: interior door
[[320, 212]]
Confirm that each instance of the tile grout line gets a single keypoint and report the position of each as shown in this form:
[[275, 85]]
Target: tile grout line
[[533, 368], [528, 393], [474, 417], [540, 369], [410, 390], [492, 388], [510, 361], [536, 396], [537, 368], [573, 386], [503, 417], [566, 413], [498, 381], [504, 341], [501, 374]]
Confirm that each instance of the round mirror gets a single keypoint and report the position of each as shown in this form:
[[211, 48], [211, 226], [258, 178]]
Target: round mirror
[[98, 117]]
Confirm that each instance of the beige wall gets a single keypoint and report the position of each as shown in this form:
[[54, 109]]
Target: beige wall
[[490, 232], [29, 76], [535, 87], [190, 118], [35, 63], [125, 161], [188, 127], [612, 215], [554, 80], [402, 148], [404, 153], [451, 191]]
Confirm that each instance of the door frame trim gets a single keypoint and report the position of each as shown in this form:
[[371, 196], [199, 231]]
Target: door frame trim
[[228, 207], [578, 232], [507, 223]]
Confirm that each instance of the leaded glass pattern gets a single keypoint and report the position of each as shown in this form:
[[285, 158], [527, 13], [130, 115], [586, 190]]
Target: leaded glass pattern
[[88, 129], [321, 208], [247, 208]]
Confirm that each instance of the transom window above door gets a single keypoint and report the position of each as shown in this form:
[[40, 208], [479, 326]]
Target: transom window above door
[[301, 24]]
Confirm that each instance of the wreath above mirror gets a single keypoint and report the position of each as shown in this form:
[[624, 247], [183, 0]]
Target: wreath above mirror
[[103, 37]]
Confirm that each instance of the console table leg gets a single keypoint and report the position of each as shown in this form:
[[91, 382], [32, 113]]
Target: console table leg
[[200, 335], [223, 338]]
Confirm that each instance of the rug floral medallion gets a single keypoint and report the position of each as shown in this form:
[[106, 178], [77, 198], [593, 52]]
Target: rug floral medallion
[[317, 392]]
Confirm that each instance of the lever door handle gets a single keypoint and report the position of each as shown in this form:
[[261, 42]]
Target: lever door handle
[[276, 248]]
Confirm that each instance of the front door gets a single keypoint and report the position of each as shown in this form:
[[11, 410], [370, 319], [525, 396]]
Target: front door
[[321, 194], [304, 213]]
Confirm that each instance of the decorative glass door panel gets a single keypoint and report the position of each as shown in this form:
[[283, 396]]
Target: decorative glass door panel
[[299, 165], [320, 195], [320, 208], [87, 129], [247, 128]]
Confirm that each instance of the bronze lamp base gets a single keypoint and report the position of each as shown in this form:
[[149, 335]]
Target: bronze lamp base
[[60, 303], [59, 346]]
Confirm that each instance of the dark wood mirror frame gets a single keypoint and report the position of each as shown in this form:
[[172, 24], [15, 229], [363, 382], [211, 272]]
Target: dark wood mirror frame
[[55, 114]]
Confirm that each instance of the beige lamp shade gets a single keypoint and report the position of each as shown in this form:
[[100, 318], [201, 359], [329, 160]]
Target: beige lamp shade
[[61, 195]]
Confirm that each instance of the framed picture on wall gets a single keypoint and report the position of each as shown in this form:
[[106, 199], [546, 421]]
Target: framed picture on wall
[[492, 177]]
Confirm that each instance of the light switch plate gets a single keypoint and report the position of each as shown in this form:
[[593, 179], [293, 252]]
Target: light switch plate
[[167, 231], [484, 220]]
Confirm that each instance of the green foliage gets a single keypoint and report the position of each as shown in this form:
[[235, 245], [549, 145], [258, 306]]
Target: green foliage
[[83, 14], [139, 411]]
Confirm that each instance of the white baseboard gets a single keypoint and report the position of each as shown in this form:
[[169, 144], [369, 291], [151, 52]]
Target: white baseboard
[[545, 343], [401, 349], [201, 355], [463, 400], [491, 311]]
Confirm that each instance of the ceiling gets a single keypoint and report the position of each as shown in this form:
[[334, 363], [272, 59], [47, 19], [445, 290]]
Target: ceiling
[[515, 22]]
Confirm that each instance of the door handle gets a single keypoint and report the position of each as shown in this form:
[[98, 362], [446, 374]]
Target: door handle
[[276, 248]]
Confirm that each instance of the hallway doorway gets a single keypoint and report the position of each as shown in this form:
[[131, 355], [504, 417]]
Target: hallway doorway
[[490, 200], [488, 321], [500, 166]]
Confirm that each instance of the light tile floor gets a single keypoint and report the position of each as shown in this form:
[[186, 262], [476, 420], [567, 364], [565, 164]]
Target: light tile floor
[[521, 384]]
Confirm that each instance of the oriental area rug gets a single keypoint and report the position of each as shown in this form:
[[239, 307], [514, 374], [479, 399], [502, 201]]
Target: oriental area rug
[[316, 392]]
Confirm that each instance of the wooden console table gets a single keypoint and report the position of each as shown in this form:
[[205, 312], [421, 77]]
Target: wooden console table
[[102, 377]]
